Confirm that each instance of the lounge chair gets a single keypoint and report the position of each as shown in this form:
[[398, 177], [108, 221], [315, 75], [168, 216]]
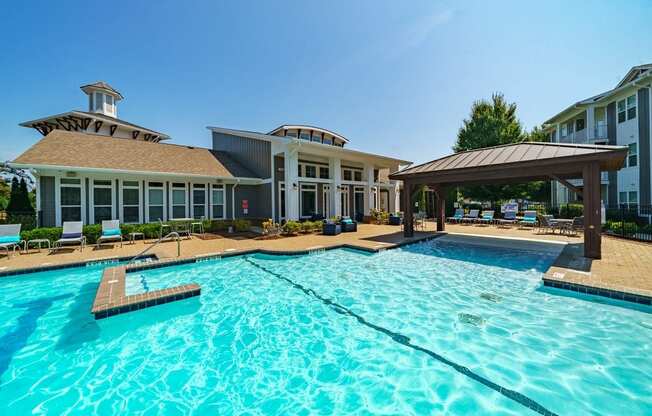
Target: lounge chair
[[547, 222], [348, 225], [529, 219], [10, 237], [110, 232], [72, 234], [487, 217], [459, 214], [509, 218], [471, 217], [572, 228]]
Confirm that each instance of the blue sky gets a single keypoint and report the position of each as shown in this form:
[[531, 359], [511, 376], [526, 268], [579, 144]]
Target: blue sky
[[396, 78]]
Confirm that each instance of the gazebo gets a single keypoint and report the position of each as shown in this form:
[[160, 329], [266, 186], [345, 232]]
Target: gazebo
[[520, 162]]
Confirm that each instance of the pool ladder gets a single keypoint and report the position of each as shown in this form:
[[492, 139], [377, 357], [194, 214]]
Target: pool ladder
[[173, 234]]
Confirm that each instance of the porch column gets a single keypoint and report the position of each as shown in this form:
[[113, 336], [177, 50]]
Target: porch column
[[392, 202], [440, 208], [291, 170], [590, 123], [408, 225], [369, 202], [335, 169], [592, 226]]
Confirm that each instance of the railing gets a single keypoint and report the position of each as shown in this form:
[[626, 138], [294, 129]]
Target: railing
[[600, 132], [159, 241]]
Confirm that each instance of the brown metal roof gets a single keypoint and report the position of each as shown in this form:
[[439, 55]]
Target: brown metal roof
[[79, 150], [101, 85], [520, 156]]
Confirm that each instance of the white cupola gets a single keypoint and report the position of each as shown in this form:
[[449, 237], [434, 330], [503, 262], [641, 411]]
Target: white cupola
[[102, 98]]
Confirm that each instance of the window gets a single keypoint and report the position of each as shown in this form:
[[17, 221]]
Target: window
[[627, 109], [155, 202], [564, 130], [305, 136], [310, 171], [290, 134], [178, 200], [70, 199], [130, 202], [579, 124], [358, 200], [99, 101], [622, 197], [633, 197], [357, 176], [328, 140], [323, 172], [217, 201], [632, 155], [347, 175], [199, 200], [308, 200], [102, 201], [316, 137], [109, 104], [376, 175]]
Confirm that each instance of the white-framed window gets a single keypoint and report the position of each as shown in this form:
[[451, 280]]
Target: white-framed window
[[99, 101], [632, 155], [291, 134], [349, 174], [218, 203], [70, 199], [326, 201], [630, 197], [109, 105], [627, 108], [633, 197], [102, 200], [310, 171], [316, 137], [563, 130], [328, 140], [308, 199], [199, 200], [155, 202], [357, 175], [305, 135], [131, 212], [178, 198], [358, 200], [324, 172]]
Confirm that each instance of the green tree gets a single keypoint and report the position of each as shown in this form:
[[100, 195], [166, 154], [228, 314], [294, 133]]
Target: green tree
[[537, 135], [24, 202], [494, 123], [14, 199]]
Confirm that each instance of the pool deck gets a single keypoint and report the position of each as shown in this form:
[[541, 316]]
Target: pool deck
[[625, 267]]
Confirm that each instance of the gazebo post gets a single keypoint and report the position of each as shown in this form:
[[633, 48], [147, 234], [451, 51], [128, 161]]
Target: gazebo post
[[440, 208], [592, 217], [408, 223]]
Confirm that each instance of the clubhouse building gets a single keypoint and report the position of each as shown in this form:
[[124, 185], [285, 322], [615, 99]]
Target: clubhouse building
[[92, 166]]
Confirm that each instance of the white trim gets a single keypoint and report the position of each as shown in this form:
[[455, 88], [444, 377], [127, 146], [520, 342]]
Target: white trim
[[91, 185], [358, 190], [222, 188], [301, 190], [346, 207], [281, 197], [326, 201], [121, 213], [164, 204], [57, 198], [185, 196]]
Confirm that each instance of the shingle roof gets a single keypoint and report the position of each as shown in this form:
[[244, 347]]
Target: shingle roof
[[507, 155], [102, 86], [79, 150]]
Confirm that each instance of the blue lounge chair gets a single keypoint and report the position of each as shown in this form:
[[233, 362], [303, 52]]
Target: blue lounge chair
[[529, 219], [10, 237], [473, 215], [110, 232], [457, 217], [508, 218], [486, 218]]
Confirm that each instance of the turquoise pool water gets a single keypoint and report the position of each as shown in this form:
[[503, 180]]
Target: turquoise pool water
[[432, 328]]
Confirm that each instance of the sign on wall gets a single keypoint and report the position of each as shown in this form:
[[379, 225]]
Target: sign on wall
[[245, 206]]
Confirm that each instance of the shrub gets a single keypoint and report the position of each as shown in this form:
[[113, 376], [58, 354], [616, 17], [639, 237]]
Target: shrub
[[50, 233], [307, 226], [571, 210], [291, 227], [241, 225]]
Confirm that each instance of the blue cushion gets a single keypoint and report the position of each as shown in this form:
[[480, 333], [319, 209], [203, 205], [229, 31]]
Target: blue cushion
[[111, 232], [347, 221], [71, 235], [9, 239]]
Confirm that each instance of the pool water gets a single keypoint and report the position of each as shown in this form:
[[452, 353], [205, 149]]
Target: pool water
[[431, 328]]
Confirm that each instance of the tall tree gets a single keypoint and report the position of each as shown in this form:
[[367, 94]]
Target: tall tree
[[537, 135], [14, 199], [24, 201], [494, 123]]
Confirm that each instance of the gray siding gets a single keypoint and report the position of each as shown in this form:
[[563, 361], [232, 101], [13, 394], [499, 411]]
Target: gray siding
[[260, 201], [48, 205], [644, 145], [254, 155], [612, 193]]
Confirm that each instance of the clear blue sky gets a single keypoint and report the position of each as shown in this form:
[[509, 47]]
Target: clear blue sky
[[396, 78]]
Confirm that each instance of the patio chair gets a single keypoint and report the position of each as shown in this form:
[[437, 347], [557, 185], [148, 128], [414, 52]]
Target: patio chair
[[547, 222], [508, 218], [572, 228], [10, 237], [487, 217], [110, 232], [71, 235], [395, 219], [348, 225], [529, 219], [471, 217], [457, 216], [331, 228]]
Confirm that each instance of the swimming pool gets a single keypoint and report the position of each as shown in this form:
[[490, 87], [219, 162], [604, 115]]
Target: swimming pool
[[431, 328]]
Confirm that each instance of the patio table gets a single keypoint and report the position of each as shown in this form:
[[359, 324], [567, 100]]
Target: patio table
[[38, 241]]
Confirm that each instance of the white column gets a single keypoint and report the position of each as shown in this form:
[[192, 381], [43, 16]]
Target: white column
[[590, 123], [392, 204], [291, 170], [558, 133], [368, 189], [335, 169]]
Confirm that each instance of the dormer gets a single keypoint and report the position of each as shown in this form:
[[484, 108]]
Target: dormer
[[102, 98]]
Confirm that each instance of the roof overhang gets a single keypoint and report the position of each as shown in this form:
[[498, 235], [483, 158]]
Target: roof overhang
[[37, 167], [308, 127]]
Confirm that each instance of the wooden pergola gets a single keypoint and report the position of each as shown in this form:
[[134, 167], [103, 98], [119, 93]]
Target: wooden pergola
[[514, 163]]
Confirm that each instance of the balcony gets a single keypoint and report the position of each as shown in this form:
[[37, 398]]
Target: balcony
[[600, 132]]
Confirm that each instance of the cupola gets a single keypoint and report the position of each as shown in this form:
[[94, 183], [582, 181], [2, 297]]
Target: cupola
[[102, 98]]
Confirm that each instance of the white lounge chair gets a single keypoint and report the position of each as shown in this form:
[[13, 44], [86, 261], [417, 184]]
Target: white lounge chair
[[110, 232], [10, 237], [471, 217], [72, 234]]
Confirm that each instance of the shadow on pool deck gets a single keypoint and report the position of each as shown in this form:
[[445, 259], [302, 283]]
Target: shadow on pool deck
[[15, 340]]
